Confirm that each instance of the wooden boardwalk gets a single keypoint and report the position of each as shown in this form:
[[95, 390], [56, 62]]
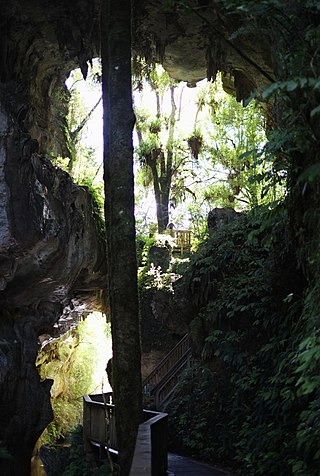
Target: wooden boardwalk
[[181, 466]]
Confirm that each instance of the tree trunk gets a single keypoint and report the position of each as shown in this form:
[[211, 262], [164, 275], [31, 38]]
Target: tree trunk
[[163, 211], [160, 188], [166, 170], [120, 223]]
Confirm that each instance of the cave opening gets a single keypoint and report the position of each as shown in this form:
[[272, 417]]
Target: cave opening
[[85, 167], [219, 157], [75, 359], [51, 242]]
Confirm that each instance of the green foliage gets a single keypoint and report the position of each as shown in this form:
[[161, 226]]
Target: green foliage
[[230, 165], [81, 163], [154, 278], [309, 360], [194, 431], [104, 470], [254, 398], [4, 453], [61, 162], [293, 106], [143, 244], [77, 457], [291, 356], [157, 152], [238, 148], [77, 460], [195, 142], [146, 147], [151, 276], [71, 362], [255, 284], [97, 195]]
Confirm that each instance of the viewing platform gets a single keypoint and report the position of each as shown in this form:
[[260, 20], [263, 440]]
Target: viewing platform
[[182, 239]]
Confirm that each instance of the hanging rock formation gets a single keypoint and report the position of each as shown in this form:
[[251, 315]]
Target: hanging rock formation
[[194, 43]]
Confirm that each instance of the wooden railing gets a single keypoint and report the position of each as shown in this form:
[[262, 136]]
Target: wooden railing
[[162, 380], [182, 240], [99, 420], [163, 390], [151, 450], [99, 414], [166, 364]]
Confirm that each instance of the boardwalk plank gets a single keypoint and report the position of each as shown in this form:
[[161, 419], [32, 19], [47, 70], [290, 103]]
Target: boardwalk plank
[[181, 466]]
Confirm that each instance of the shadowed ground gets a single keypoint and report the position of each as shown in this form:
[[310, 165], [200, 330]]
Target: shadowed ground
[[181, 466]]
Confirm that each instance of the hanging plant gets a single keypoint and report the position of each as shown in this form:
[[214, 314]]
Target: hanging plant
[[195, 142], [155, 126]]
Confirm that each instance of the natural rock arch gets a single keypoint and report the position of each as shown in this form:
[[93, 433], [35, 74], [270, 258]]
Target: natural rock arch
[[44, 218]]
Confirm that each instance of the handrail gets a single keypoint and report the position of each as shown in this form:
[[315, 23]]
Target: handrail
[[164, 390], [99, 419], [150, 456], [182, 239], [181, 363], [181, 236], [166, 364], [151, 450]]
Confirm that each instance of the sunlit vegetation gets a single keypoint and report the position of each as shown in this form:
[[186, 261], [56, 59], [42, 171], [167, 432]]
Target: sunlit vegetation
[[76, 362], [77, 459], [194, 149], [201, 155], [83, 133]]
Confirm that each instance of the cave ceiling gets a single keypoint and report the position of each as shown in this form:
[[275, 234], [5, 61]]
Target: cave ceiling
[[43, 40], [193, 45]]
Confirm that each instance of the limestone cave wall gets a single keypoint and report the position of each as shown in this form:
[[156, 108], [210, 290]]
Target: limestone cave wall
[[52, 256], [51, 262]]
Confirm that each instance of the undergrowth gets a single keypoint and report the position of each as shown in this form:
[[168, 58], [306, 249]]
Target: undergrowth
[[253, 400], [78, 466]]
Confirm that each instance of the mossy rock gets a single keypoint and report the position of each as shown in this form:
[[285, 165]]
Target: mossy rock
[[159, 256]]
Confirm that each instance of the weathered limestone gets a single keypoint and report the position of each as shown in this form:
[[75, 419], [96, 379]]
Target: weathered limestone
[[51, 257], [221, 216], [194, 43]]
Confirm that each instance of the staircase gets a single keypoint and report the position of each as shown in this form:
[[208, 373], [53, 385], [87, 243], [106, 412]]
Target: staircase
[[158, 386]]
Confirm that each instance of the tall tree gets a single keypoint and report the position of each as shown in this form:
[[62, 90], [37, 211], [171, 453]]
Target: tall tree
[[162, 160], [120, 223], [241, 173]]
